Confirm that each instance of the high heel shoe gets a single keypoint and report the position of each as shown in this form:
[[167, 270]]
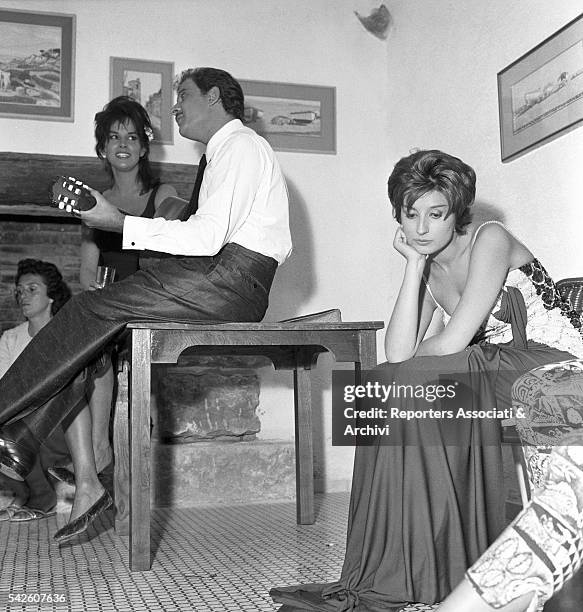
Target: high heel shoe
[[18, 450], [80, 524]]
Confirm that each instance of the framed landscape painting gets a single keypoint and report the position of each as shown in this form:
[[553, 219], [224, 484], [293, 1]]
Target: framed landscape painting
[[150, 84], [292, 117], [37, 65], [540, 95]]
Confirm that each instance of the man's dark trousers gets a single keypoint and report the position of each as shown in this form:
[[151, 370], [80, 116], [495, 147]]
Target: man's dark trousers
[[47, 382]]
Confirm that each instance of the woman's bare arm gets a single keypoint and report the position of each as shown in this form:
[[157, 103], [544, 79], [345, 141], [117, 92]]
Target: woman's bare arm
[[413, 309]]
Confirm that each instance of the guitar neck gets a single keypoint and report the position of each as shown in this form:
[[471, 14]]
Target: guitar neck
[[171, 208]]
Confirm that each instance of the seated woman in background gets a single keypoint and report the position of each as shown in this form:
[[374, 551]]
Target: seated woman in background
[[40, 292], [424, 508], [122, 132]]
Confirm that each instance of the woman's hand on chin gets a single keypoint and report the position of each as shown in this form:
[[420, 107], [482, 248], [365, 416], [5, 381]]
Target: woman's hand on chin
[[407, 251]]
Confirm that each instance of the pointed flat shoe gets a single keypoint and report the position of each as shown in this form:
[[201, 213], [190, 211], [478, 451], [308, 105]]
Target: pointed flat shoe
[[80, 524], [16, 459]]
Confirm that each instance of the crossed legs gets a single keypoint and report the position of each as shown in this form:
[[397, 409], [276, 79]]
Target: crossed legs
[[88, 440], [97, 421], [100, 403], [88, 488]]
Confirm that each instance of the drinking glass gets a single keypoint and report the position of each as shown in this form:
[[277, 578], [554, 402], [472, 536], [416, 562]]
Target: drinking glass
[[105, 276]]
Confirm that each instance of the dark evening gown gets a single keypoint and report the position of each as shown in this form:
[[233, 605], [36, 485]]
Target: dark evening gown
[[423, 511]]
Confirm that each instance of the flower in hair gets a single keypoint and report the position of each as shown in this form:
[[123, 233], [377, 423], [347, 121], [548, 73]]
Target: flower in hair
[[149, 133]]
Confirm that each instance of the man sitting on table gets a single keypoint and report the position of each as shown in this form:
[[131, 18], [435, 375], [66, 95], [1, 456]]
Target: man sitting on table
[[225, 250]]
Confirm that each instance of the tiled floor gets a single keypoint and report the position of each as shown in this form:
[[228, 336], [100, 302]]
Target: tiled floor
[[204, 559]]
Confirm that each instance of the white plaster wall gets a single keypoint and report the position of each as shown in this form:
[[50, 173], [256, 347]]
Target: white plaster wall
[[442, 58], [338, 211], [337, 200], [431, 84]]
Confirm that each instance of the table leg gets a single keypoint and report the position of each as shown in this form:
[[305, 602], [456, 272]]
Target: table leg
[[304, 447], [367, 349], [139, 417], [121, 478]]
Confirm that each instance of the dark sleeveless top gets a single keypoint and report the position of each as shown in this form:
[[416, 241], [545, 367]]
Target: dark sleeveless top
[[125, 261]]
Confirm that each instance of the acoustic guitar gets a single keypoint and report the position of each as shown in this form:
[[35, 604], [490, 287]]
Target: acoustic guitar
[[73, 196]]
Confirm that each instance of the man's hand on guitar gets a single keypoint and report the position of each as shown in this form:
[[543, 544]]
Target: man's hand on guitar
[[75, 197], [103, 215]]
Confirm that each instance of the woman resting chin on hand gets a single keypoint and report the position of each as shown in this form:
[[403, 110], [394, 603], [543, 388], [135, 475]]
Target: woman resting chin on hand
[[426, 500]]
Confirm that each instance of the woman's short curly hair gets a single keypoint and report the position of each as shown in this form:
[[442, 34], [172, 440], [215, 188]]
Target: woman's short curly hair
[[122, 110], [424, 171], [57, 288]]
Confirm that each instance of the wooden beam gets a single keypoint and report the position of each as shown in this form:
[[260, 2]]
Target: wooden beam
[[27, 177]]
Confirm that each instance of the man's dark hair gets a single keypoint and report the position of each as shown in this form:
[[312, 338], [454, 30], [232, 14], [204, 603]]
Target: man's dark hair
[[231, 93]]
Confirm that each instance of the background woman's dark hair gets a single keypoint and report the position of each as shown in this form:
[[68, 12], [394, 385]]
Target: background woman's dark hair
[[124, 109], [205, 79], [57, 288], [424, 171]]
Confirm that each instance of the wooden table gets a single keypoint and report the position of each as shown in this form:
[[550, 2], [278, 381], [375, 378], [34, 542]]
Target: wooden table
[[291, 345]]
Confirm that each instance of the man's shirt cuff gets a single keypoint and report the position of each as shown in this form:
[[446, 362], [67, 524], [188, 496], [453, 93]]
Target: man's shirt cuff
[[134, 231]]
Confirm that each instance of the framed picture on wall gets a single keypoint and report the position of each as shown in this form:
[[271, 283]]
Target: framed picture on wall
[[150, 84], [292, 117], [37, 65], [540, 95]]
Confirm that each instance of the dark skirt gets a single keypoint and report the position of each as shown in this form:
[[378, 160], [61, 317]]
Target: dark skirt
[[424, 509]]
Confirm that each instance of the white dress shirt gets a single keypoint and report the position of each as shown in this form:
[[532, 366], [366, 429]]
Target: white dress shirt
[[243, 199]]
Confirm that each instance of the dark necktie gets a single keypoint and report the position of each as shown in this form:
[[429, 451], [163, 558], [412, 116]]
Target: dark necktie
[[148, 258], [193, 204]]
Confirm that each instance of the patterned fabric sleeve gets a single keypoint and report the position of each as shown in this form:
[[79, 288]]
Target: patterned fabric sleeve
[[546, 288], [543, 547]]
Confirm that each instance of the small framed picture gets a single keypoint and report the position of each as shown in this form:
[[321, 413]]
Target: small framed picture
[[37, 65], [150, 84], [292, 117], [540, 95]]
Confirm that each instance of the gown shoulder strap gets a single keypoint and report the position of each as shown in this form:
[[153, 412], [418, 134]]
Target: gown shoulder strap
[[150, 209], [497, 223]]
